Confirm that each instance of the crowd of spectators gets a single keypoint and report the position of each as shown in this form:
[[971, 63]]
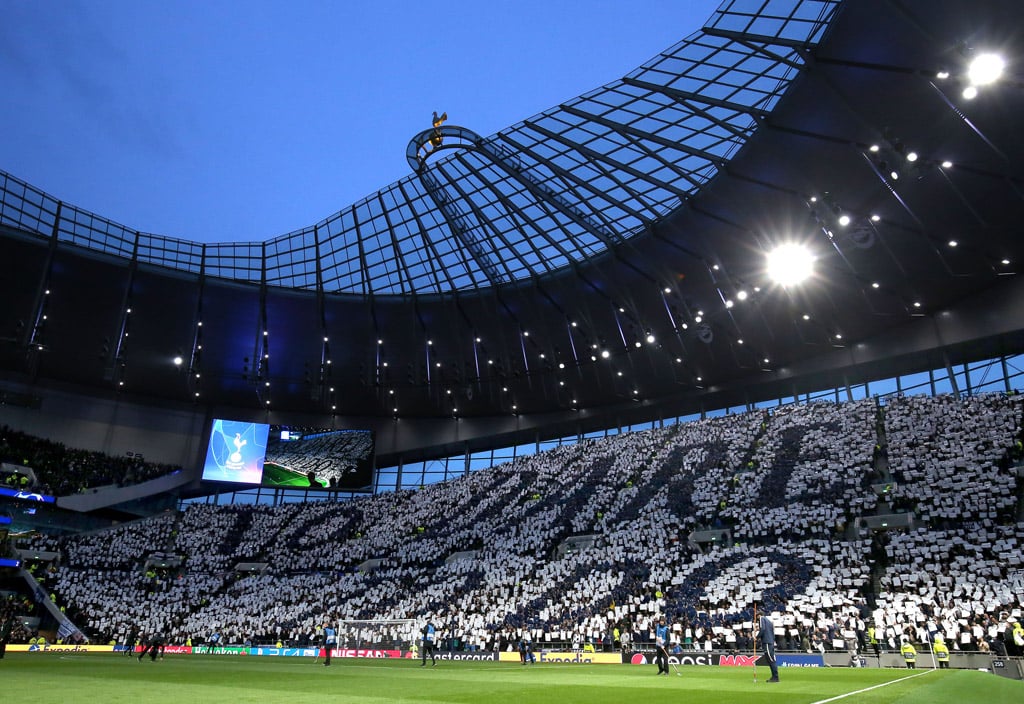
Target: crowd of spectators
[[947, 455], [485, 556], [61, 470]]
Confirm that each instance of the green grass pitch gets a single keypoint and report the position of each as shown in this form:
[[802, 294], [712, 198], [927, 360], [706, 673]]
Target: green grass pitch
[[41, 678], [276, 475]]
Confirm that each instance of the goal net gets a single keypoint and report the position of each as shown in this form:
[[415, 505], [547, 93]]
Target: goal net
[[385, 633]]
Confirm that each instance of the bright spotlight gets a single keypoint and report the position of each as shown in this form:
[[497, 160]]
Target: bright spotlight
[[790, 264], [178, 361], [985, 69], [970, 93]]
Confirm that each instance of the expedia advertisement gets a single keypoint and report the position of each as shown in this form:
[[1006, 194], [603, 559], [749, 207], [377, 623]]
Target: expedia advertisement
[[566, 657], [48, 648], [715, 659]]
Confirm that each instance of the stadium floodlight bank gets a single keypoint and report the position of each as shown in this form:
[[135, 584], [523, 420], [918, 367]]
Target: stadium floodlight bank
[[377, 633]]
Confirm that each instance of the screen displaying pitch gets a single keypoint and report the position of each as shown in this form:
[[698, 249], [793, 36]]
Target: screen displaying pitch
[[319, 458], [236, 451]]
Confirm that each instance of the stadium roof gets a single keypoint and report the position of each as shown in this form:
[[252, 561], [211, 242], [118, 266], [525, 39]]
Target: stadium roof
[[607, 252]]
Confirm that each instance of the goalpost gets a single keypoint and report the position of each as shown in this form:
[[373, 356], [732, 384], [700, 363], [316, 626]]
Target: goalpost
[[382, 633]]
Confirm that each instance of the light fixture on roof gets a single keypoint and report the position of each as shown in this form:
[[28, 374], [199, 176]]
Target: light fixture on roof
[[874, 284], [741, 295], [970, 93], [650, 338], [873, 148], [942, 75], [1005, 262], [876, 218], [911, 157], [947, 164], [637, 344], [729, 303], [917, 304], [668, 290], [739, 341], [985, 69], [953, 243], [790, 264], [605, 354], [844, 220], [178, 361]]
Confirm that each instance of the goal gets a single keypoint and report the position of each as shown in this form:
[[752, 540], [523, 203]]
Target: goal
[[383, 633]]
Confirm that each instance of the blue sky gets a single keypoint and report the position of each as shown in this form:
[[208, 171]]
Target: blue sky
[[230, 121]]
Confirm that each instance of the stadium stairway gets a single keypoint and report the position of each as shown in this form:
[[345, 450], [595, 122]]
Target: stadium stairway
[[65, 626]]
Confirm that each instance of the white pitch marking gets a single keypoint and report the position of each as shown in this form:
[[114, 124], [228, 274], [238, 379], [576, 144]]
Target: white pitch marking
[[868, 689]]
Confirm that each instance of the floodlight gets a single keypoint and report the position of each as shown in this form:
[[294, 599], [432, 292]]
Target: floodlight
[[790, 264], [985, 69]]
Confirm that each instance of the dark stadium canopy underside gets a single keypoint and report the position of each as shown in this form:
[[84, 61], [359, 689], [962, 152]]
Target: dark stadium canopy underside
[[606, 253]]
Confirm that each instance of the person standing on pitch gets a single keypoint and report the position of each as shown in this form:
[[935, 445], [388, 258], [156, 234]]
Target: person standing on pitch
[[766, 637], [429, 632], [330, 641], [660, 646]]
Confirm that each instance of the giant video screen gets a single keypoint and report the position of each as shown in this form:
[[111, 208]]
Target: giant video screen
[[236, 451], [319, 458]]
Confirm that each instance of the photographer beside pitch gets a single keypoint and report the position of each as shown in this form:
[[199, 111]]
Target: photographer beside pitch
[[429, 633], [330, 638]]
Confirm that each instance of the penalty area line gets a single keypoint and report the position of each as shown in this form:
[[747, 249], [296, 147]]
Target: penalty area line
[[868, 689]]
